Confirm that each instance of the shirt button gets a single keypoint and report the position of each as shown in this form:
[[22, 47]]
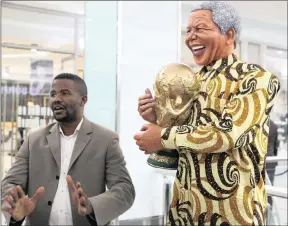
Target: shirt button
[[49, 203]]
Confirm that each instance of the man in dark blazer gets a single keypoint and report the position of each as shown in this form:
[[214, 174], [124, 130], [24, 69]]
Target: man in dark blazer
[[273, 144], [61, 171], [272, 150]]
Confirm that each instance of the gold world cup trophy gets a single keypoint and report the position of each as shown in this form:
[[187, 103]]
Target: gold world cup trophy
[[175, 88]]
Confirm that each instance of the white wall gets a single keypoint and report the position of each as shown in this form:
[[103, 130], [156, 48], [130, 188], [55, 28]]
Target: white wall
[[148, 39]]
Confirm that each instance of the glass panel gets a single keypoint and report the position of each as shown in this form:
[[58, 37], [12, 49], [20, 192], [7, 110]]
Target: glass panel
[[277, 211], [18, 63], [27, 73], [25, 86], [276, 62], [253, 53], [81, 47], [238, 49], [45, 30]]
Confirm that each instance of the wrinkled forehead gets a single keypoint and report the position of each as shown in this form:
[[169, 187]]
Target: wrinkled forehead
[[198, 16]]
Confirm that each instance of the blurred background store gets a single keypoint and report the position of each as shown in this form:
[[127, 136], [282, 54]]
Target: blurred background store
[[39, 41], [96, 40]]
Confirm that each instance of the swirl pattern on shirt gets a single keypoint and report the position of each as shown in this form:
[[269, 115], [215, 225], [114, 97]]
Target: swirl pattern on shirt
[[220, 179]]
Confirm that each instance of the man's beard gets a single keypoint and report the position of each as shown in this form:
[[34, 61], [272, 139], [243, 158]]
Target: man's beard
[[68, 118]]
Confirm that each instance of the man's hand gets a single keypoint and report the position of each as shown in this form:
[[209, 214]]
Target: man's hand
[[146, 107], [79, 198], [20, 204], [149, 140]]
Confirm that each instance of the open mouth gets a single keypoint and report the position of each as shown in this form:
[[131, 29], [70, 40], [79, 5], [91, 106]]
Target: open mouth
[[58, 109], [197, 49]]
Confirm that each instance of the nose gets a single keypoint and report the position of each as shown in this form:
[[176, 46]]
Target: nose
[[192, 37], [56, 98], [189, 41]]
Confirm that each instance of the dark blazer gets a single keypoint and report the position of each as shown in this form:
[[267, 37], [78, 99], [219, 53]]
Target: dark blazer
[[273, 144]]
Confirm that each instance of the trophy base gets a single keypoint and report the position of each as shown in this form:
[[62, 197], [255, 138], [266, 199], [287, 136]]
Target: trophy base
[[164, 159]]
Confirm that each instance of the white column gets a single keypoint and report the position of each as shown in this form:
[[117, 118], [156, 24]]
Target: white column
[[148, 38], [100, 72]]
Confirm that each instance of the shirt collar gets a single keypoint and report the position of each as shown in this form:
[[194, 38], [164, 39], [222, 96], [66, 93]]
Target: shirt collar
[[220, 64], [76, 130]]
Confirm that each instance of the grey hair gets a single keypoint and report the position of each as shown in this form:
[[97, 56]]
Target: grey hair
[[223, 14]]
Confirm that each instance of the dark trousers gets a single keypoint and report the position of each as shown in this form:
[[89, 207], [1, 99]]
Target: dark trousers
[[271, 175]]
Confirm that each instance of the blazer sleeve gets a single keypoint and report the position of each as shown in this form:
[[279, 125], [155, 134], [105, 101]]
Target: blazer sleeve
[[120, 194], [17, 175], [236, 126]]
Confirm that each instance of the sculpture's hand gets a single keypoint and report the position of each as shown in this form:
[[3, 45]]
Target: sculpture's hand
[[146, 107], [20, 204]]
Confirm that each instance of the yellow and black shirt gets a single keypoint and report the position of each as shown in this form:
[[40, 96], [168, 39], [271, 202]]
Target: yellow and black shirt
[[221, 174]]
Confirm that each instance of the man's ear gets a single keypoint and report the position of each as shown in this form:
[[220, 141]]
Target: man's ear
[[84, 100], [230, 36]]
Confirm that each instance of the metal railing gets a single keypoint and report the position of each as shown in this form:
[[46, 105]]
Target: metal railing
[[271, 159], [273, 217]]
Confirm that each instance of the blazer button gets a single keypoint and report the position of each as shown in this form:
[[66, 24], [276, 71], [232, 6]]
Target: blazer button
[[49, 203], [57, 177]]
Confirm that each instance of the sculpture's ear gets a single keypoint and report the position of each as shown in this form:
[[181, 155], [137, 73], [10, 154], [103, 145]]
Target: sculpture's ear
[[231, 37]]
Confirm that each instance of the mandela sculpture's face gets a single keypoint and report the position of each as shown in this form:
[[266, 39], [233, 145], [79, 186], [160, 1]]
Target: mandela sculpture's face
[[175, 88]]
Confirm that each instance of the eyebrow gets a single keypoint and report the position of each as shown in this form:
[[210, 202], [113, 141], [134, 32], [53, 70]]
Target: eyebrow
[[197, 24], [61, 90], [201, 24], [65, 90]]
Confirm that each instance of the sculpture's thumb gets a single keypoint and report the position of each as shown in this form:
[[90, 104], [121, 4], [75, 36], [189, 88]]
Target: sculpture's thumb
[[40, 191], [147, 91]]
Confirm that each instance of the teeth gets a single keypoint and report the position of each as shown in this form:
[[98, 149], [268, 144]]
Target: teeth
[[197, 47]]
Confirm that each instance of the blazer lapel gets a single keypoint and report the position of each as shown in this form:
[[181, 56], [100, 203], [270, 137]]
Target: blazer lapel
[[82, 140], [53, 139]]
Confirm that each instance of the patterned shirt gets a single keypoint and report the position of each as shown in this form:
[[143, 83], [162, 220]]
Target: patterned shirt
[[221, 174]]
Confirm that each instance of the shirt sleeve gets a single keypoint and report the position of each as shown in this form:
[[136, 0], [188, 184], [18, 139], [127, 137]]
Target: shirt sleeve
[[242, 118]]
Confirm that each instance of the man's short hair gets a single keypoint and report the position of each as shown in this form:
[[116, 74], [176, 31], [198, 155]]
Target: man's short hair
[[224, 15], [79, 81]]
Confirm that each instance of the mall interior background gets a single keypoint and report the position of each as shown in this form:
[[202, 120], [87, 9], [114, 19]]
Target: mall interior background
[[118, 47]]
